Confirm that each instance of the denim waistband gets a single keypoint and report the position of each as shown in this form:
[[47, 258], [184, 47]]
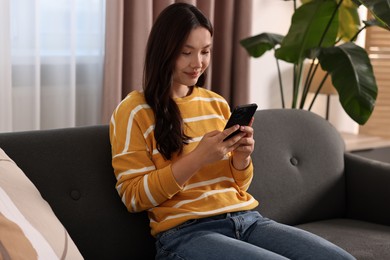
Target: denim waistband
[[221, 216], [191, 222], [227, 215]]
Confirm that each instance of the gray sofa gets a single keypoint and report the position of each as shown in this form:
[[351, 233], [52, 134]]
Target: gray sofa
[[303, 177]]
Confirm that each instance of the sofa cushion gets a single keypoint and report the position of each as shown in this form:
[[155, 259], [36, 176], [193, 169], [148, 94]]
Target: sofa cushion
[[363, 240], [29, 228]]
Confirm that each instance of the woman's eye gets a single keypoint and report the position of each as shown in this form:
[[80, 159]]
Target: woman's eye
[[205, 52], [186, 53]]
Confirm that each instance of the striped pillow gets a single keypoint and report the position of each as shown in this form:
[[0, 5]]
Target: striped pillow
[[29, 228]]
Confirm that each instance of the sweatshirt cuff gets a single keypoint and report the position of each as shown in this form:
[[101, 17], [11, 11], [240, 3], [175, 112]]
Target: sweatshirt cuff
[[241, 175], [168, 182]]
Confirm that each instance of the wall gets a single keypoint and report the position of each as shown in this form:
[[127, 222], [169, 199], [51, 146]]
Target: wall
[[274, 17]]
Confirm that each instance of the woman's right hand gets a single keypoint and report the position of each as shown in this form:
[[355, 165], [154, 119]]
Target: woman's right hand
[[213, 148], [210, 149]]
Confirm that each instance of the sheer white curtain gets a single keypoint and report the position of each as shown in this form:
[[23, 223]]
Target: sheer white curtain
[[51, 65], [5, 69]]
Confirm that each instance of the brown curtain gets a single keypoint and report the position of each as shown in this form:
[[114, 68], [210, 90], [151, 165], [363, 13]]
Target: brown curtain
[[128, 23]]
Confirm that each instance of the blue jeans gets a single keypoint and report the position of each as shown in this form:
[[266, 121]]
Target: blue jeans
[[243, 235]]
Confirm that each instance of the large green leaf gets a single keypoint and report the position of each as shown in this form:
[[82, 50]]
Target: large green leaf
[[257, 45], [380, 9], [308, 24], [353, 78], [349, 20]]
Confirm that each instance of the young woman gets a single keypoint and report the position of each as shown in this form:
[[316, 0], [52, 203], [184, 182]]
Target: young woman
[[170, 157]]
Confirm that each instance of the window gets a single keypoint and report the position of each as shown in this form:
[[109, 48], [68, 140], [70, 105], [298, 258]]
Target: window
[[378, 48], [56, 63]]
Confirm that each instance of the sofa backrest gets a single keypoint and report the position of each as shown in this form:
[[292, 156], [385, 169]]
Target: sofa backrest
[[299, 166]]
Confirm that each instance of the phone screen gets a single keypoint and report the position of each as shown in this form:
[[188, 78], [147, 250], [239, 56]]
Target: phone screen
[[242, 116]]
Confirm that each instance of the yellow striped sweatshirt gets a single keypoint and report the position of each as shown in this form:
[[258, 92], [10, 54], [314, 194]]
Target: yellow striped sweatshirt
[[144, 178]]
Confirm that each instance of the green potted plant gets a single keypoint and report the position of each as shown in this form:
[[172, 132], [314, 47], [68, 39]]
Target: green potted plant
[[324, 31]]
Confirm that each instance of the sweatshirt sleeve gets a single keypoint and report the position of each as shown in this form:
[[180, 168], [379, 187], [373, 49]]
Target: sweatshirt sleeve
[[243, 177], [139, 183]]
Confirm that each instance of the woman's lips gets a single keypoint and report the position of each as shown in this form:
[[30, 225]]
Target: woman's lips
[[193, 74]]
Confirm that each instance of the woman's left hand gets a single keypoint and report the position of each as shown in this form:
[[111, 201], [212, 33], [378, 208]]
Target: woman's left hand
[[241, 155]]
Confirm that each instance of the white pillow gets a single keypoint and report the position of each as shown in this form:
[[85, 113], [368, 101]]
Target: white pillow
[[29, 227]]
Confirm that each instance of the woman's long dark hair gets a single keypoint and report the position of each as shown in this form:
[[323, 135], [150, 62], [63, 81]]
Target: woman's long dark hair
[[166, 39]]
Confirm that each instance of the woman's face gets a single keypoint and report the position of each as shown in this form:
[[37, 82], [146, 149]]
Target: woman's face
[[193, 59]]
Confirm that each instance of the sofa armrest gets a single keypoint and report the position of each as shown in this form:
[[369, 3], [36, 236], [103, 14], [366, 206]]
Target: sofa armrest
[[368, 189]]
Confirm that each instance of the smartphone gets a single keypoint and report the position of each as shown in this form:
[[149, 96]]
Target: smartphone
[[242, 116]]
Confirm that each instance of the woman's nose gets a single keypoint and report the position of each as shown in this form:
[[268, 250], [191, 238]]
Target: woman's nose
[[196, 61]]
